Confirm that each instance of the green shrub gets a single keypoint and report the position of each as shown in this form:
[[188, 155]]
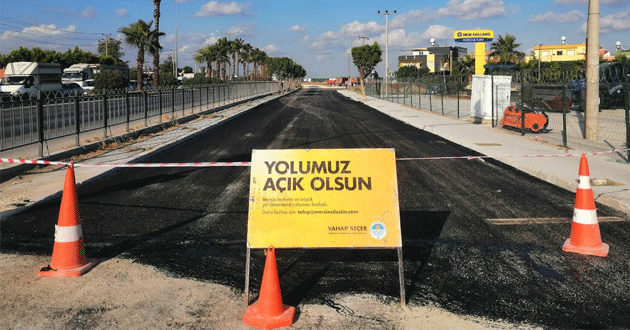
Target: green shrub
[[200, 79], [107, 80]]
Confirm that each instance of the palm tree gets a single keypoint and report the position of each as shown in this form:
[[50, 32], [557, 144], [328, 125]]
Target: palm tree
[[467, 65], [207, 55], [245, 57], [505, 49], [235, 48], [259, 58], [139, 35], [223, 49], [156, 51]]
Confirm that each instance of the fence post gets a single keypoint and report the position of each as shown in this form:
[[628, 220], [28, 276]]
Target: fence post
[[564, 117], [173, 104], [442, 97], [145, 98], [76, 120], [127, 104], [160, 103], [405, 92], [40, 123], [626, 93], [458, 87], [183, 102], [420, 94], [492, 98], [192, 99], [105, 116], [523, 122], [430, 101]]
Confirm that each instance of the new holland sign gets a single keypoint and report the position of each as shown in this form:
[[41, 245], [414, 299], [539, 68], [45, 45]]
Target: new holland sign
[[473, 35]]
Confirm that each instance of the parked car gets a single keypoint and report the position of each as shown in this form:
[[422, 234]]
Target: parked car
[[71, 89], [88, 88]]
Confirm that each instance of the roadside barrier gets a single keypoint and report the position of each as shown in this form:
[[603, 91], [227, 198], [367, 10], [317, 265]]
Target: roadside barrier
[[247, 164], [269, 312], [585, 236], [68, 257]]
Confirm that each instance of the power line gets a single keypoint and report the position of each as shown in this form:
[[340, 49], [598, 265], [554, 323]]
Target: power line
[[45, 35], [45, 42], [10, 20]]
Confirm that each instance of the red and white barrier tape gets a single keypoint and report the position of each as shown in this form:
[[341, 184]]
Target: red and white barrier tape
[[518, 156], [246, 164]]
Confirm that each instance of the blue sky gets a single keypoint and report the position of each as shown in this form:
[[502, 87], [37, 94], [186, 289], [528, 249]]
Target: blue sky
[[317, 34]]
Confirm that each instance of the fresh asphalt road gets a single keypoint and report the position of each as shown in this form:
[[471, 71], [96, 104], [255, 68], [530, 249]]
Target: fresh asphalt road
[[191, 222]]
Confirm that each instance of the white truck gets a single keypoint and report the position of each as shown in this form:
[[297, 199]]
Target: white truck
[[27, 79], [83, 73]]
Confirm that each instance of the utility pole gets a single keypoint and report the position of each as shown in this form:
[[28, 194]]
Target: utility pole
[[107, 43], [386, 14], [591, 131], [176, 62], [363, 39]]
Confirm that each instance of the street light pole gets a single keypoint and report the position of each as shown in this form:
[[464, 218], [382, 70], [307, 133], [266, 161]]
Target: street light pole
[[591, 131], [386, 14]]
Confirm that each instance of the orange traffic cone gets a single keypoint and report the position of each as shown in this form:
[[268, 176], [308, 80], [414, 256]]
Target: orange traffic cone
[[68, 258], [269, 312], [585, 237]]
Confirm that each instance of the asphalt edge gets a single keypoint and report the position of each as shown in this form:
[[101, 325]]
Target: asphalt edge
[[570, 186], [146, 154]]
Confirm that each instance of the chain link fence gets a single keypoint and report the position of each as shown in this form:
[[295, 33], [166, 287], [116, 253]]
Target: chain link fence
[[559, 94], [54, 115]]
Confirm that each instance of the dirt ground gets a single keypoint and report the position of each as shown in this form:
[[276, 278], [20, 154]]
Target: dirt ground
[[121, 294]]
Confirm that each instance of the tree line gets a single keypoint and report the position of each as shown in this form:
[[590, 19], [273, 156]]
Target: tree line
[[145, 37]]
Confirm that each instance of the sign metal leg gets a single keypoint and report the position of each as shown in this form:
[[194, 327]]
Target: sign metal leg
[[247, 259], [401, 275]]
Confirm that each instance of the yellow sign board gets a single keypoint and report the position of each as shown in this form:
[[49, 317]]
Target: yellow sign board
[[323, 198], [473, 35]]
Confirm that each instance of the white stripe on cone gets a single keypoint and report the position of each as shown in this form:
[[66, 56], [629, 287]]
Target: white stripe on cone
[[67, 234], [585, 217], [584, 182]]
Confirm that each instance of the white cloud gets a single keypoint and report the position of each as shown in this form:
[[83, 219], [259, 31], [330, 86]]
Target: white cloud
[[413, 17], [306, 39], [402, 38], [47, 36], [329, 40], [573, 16], [270, 49], [356, 29], [89, 13], [216, 8], [617, 22], [603, 2], [469, 10], [438, 32], [121, 12], [296, 28]]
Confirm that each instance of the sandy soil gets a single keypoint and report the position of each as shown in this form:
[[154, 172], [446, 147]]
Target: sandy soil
[[121, 294]]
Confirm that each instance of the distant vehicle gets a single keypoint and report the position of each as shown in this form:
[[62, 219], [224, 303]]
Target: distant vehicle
[[611, 76], [71, 89], [27, 79], [81, 73], [610, 87], [88, 87]]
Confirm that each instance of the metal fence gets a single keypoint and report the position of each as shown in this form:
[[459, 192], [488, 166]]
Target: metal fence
[[31, 121], [559, 94]]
